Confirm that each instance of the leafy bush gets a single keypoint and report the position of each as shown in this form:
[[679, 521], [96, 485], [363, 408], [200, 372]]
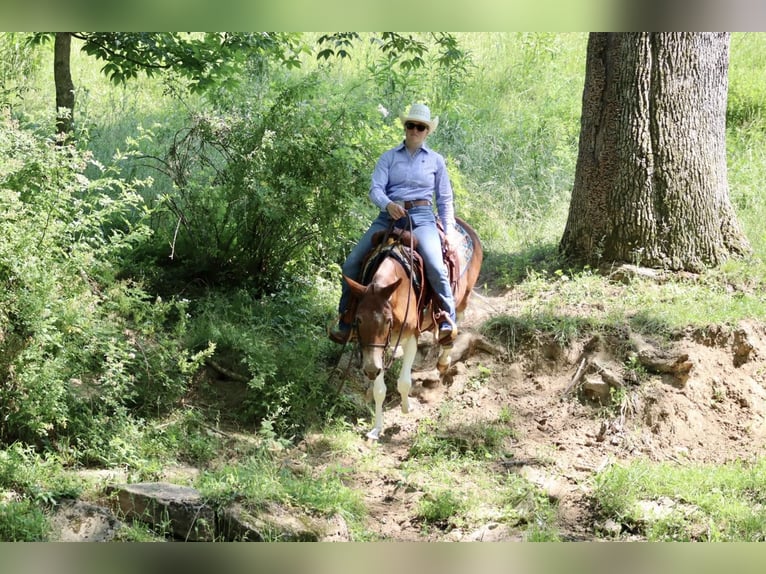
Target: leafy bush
[[76, 346], [271, 342], [264, 189]]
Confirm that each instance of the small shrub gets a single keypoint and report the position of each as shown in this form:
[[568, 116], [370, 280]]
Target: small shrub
[[23, 521], [272, 343], [438, 509]]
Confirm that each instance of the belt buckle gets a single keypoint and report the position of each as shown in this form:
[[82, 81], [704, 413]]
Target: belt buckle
[[400, 203]]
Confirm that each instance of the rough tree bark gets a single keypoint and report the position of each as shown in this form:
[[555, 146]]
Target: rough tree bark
[[62, 76], [651, 180]]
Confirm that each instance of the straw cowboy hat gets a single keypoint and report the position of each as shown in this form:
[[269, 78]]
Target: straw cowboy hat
[[420, 113]]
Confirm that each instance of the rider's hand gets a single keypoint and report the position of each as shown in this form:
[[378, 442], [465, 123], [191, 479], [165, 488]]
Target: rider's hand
[[395, 210]]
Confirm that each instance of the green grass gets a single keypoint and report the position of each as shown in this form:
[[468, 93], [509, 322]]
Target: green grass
[[479, 439], [564, 305], [23, 521], [696, 502], [439, 508], [451, 464], [41, 478], [259, 479]]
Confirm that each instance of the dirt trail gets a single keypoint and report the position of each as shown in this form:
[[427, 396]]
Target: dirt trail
[[561, 439]]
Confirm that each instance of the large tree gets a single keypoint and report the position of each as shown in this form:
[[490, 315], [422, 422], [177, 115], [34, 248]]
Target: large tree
[[651, 180]]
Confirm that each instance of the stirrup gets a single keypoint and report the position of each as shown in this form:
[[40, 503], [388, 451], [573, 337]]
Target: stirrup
[[447, 331]]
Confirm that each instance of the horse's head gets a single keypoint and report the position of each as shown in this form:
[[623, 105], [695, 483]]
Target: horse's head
[[374, 322]]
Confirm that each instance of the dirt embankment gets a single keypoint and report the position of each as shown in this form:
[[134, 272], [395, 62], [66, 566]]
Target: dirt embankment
[[601, 400]]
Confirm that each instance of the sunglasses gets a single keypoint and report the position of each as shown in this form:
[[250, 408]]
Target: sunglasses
[[413, 126]]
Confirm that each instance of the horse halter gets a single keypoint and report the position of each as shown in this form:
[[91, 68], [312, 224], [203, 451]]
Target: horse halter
[[385, 345], [375, 345]]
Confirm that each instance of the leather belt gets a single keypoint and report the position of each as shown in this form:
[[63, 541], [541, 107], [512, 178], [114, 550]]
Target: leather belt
[[416, 203]]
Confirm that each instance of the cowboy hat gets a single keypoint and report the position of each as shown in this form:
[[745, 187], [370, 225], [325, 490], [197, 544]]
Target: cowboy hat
[[420, 113]]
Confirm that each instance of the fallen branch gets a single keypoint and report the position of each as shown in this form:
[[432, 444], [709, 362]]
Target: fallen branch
[[467, 343], [577, 376], [226, 372]]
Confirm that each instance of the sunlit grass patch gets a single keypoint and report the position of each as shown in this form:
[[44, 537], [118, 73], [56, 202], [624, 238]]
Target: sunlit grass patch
[[262, 479], [692, 502], [565, 305], [476, 438]]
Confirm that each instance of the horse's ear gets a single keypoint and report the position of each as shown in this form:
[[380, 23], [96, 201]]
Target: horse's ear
[[357, 288], [386, 291]]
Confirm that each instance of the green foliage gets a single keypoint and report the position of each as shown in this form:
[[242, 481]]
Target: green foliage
[[264, 190], [186, 435], [667, 502], [745, 108], [481, 439], [525, 505], [428, 67], [514, 132], [23, 521], [17, 61], [272, 343], [136, 531], [77, 347], [260, 479], [437, 509], [34, 477], [204, 59], [538, 327]]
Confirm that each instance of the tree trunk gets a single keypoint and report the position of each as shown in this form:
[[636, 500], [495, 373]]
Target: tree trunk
[[651, 180], [62, 76]]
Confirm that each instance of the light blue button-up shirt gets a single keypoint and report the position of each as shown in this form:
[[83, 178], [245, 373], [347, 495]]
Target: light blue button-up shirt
[[398, 176]]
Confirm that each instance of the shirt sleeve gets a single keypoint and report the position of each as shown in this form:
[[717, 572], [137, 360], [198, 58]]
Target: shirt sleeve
[[380, 181]]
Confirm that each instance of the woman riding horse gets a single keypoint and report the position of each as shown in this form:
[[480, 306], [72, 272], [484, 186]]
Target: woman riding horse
[[388, 316], [403, 183]]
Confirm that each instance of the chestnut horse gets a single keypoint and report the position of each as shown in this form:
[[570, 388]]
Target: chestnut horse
[[387, 316]]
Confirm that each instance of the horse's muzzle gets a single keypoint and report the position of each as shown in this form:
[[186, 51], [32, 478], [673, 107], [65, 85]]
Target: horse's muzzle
[[372, 372], [372, 362]]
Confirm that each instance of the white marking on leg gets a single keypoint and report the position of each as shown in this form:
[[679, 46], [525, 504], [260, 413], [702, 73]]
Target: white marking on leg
[[404, 384], [445, 358], [379, 393]]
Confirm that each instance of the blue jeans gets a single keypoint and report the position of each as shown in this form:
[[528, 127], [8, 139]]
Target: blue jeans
[[429, 246]]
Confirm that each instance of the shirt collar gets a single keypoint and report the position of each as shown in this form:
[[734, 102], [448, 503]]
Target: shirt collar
[[402, 146]]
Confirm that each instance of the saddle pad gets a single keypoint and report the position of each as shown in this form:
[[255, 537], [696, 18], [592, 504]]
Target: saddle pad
[[463, 246], [393, 249]]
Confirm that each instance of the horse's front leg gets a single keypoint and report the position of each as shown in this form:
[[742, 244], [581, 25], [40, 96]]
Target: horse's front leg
[[404, 384], [445, 358], [379, 394]]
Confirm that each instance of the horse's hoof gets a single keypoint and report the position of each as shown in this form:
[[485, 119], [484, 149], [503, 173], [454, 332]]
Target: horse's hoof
[[442, 368], [374, 434]]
